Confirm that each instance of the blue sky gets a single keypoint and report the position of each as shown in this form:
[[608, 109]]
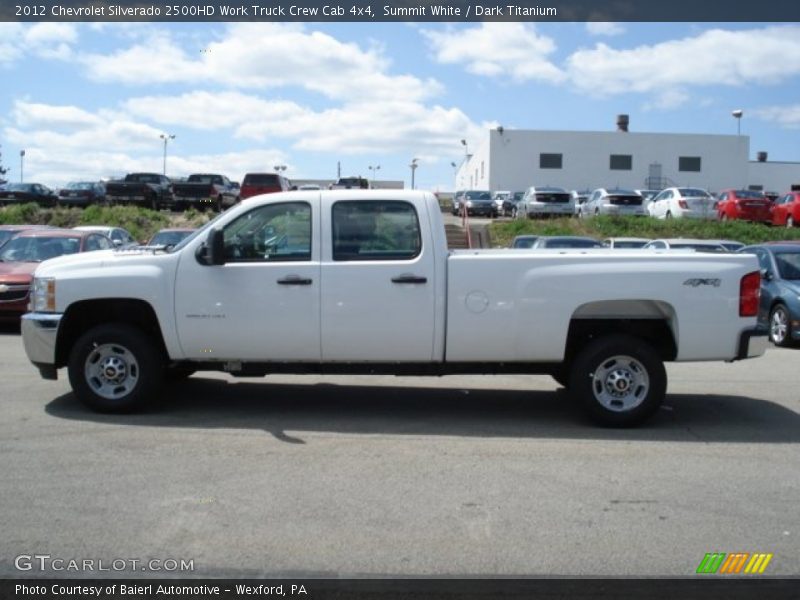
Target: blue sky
[[89, 100]]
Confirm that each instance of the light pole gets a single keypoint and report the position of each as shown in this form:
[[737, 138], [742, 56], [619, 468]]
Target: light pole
[[21, 164], [166, 137], [737, 114], [466, 149], [413, 167], [374, 172], [279, 168]]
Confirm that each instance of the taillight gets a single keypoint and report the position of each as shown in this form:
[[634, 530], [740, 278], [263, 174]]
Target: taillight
[[683, 204], [749, 294]]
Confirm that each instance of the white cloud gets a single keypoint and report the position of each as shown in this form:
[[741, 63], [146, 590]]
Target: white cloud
[[46, 40], [261, 56], [786, 116], [352, 128], [512, 50], [606, 28], [715, 57]]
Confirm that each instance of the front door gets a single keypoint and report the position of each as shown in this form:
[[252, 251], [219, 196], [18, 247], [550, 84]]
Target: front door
[[264, 302]]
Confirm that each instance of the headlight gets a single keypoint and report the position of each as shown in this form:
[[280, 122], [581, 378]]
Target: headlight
[[43, 294], [469, 203]]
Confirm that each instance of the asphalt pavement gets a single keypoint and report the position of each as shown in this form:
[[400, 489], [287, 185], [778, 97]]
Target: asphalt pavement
[[384, 476]]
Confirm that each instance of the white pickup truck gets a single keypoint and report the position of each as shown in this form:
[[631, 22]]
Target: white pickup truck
[[361, 281]]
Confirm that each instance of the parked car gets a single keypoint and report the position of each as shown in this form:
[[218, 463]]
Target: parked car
[[20, 256], [121, 238], [458, 199], [779, 307], [170, 237], [579, 198], [503, 203], [624, 242], [148, 190], [254, 184], [685, 244], [544, 202], [745, 205], [350, 183], [524, 241], [682, 202], [9, 231], [616, 201], [479, 203], [648, 196], [786, 210], [82, 193], [566, 241], [20, 193]]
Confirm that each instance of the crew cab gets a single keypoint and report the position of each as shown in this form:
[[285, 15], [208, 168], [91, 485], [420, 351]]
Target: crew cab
[[205, 190], [149, 190], [361, 281]]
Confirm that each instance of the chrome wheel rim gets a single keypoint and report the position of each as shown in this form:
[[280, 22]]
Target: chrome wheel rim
[[620, 383], [111, 371], [779, 326]]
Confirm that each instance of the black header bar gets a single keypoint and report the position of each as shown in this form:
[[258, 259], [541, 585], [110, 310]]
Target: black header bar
[[399, 10]]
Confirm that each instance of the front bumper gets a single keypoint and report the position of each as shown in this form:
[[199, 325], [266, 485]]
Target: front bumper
[[39, 335], [752, 342]]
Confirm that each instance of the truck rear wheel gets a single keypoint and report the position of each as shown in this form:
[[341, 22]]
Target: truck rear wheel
[[619, 380], [115, 368]]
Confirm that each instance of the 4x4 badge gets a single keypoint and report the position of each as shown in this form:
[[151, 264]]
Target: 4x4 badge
[[698, 282]]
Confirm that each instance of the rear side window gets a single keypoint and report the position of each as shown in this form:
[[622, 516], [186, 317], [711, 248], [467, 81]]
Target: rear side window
[[375, 230]]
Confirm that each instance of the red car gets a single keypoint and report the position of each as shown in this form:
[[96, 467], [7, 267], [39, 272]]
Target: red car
[[746, 205], [263, 183], [786, 210], [20, 256]]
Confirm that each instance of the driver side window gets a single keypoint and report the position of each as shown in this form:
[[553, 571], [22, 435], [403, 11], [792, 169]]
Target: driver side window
[[274, 232]]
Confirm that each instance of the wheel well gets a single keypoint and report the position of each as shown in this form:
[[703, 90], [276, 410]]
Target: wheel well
[[656, 332], [84, 315]]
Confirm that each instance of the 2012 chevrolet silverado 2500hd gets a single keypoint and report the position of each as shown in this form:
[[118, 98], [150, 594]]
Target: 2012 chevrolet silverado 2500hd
[[361, 281]]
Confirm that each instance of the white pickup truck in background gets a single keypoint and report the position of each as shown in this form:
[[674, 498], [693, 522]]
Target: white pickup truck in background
[[361, 281]]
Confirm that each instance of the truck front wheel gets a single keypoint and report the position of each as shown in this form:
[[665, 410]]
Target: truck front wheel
[[115, 368], [619, 380]]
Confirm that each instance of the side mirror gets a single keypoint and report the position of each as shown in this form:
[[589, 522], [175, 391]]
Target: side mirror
[[212, 251], [117, 243], [766, 275]]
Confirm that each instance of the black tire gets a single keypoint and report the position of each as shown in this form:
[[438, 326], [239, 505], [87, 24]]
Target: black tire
[[780, 326], [218, 205], [619, 380], [561, 375], [115, 368], [789, 222]]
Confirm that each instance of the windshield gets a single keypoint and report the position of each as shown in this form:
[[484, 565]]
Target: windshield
[[478, 196], [552, 197], [629, 244], [788, 265], [750, 195], [265, 179], [79, 185], [37, 249]]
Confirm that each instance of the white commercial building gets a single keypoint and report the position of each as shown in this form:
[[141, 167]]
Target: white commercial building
[[514, 160]]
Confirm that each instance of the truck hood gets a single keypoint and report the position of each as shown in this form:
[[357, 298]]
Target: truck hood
[[99, 259]]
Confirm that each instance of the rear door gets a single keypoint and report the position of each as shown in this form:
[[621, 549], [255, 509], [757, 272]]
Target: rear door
[[378, 291]]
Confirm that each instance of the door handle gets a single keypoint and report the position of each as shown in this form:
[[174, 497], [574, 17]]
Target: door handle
[[409, 278], [294, 280]]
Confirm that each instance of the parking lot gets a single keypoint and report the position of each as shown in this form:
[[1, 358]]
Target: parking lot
[[468, 475]]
